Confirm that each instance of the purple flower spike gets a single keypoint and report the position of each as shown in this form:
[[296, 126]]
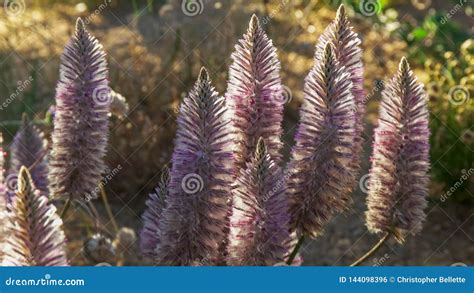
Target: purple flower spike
[[260, 234], [37, 238], [4, 219], [348, 52], [156, 203], [400, 161], [193, 225], [255, 94], [3, 187], [81, 120], [28, 149], [319, 180]]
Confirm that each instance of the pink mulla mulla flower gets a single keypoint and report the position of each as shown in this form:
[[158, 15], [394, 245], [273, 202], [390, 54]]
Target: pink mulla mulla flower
[[348, 52], [28, 149], [156, 203], [193, 225], [80, 134], [35, 229], [255, 94], [260, 233], [3, 202], [319, 181], [3, 187], [398, 180]]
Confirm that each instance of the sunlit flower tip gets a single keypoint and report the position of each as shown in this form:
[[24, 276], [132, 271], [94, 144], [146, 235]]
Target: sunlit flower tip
[[35, 229], [29, 149], [319, 180], [398, 182], [80, 25], [255, 94], [203, 168]]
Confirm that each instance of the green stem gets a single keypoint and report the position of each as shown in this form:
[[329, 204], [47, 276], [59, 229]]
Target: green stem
[[372, 250], [108, 209], [66, 207], [295, 251]]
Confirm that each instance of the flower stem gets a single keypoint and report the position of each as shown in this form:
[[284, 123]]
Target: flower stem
[[107, 208], [295, 250], [372, 250], [66, 207]]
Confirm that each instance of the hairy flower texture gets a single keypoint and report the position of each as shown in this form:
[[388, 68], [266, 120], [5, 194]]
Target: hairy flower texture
[[155, 206], [3, 187], [193, 225], [37, 238], [261, 233], [81, 120], [255, 94], [4, 219], [28, 149], [348, 52], [400, 161], [319, 179]]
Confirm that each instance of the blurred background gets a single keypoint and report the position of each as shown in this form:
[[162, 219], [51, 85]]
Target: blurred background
[[155, 50]]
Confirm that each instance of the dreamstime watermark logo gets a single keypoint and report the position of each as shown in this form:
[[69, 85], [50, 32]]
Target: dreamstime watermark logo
[[97, 11], [21, 86], [286, 95], [14, 8], [101, 96], [458, 95], [370, 7], [456, 8], [12, 181], [192, 7], [109, 175], [365, 183], [192, 183], [266, 19], [278, 186], [378, 86], [379, 261], [464, 177]]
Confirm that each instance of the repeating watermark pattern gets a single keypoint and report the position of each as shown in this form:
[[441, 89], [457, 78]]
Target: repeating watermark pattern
[[109, 175], [97, 11], [379, 261], [379, 85], [192, 7], [14, 8], [370, 7], [464, 177], [192, 183], [101, 96], [286, 95], [21, 86], [365, 184], [456, 8], [458, 95], [278, 186], [267, 18], [12, 181]]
